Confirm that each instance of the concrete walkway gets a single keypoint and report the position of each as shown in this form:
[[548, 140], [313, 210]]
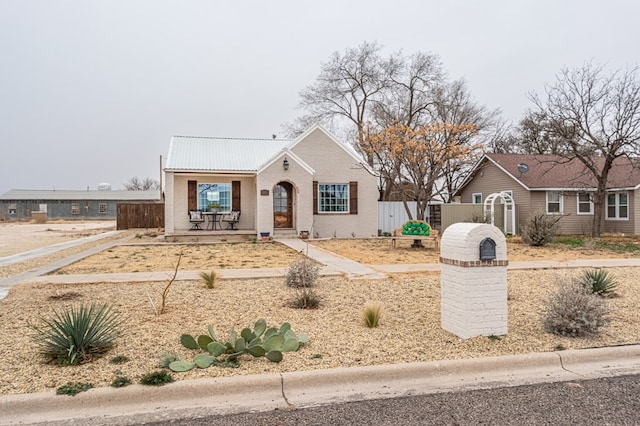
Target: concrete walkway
[[334, 263], [514, 266], [333, 267], [43, 251], [5, 283]]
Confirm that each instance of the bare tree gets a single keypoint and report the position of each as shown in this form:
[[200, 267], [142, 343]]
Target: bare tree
[[146, 184], [530, 136], [347, 89], [453, 104], [597, 115], [361, 91]]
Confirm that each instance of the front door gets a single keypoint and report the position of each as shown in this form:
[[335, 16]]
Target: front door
[[283, 205]]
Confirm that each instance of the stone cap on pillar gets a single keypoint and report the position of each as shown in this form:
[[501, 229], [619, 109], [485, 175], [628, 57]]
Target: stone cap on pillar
[[461, 242]]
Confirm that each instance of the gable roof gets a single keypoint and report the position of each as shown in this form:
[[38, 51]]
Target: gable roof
[[239, 155], [546, 171], [73, 195]]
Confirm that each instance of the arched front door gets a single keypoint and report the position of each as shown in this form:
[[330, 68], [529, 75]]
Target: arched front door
[[283, 205]]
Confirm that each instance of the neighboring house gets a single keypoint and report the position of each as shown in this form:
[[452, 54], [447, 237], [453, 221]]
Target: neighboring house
[[18, 204], [313, 183], [557, 186]]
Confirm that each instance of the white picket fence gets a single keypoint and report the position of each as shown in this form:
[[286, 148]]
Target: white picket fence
[[392, 215]]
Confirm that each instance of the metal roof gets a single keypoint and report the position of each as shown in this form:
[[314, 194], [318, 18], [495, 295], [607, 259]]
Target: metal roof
[[222, 154], [36, 194]]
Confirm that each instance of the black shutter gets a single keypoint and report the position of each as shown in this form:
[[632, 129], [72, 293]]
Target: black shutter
[[315, 197], [192, 194], [353, 197], [235, 195]]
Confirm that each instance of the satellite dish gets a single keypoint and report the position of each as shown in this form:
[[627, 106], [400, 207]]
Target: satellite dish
[[523, 168]]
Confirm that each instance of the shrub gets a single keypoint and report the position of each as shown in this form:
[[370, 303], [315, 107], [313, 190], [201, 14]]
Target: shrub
[[120, 381], [372, 314], [573, 311], [157, 378], [302, 273], [209, 278], [120, 359], [77, 335], [167, 358], [598, 282], [306, 298], [72, 389], [539, 229]]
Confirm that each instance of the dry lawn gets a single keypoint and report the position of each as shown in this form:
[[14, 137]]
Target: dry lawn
[[378, 251], [164, 257]]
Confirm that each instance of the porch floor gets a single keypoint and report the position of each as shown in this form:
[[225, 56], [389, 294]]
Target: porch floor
[[200, 236]]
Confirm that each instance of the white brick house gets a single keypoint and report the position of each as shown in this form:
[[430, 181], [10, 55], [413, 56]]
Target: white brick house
[[313, 183]]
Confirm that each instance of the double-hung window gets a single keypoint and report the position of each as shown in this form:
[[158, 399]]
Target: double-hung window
[[618, 205], [333, 198], [554, 202], [476, 198], [585, 204]]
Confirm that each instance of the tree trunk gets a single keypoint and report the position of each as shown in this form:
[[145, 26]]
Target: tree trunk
[[598, 210]]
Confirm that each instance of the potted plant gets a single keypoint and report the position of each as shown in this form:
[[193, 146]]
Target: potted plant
[[265, 236], [213, 207]]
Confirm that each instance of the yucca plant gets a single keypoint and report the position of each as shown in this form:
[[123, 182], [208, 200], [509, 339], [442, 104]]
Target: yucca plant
[[209, 278], [77, 334], [599, 282], [372, 314]]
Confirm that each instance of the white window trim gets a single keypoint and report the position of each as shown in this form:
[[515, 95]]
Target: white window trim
[[348, 210], [578, 205], [560, 200], [617, 206], [473, 197]]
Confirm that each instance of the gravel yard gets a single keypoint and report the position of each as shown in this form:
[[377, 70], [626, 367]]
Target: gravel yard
[[409, 331]]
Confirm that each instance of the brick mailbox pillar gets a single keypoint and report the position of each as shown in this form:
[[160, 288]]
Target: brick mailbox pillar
[[473, 261]]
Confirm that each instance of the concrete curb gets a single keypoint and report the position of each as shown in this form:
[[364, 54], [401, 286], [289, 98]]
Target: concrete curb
[[229, 395]]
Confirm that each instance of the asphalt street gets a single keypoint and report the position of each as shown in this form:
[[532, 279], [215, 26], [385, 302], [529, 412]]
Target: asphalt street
[[607, 401]]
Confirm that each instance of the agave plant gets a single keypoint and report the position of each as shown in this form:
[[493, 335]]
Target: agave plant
[[77, 334], [599, 282]]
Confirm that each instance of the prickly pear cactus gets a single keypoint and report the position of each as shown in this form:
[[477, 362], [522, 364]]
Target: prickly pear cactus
[[270, 343]]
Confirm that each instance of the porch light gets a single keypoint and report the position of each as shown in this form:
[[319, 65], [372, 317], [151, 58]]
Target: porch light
[[285, 164]]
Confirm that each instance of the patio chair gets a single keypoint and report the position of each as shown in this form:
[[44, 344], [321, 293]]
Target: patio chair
[[196, 218], [232, 219]]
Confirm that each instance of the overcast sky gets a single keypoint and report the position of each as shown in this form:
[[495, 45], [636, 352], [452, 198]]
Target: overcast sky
[[92, 91]]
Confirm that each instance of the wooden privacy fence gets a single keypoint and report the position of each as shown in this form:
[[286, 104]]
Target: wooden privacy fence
[[140, 215]]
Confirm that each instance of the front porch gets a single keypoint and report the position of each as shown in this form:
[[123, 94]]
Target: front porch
[[208, 236]]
